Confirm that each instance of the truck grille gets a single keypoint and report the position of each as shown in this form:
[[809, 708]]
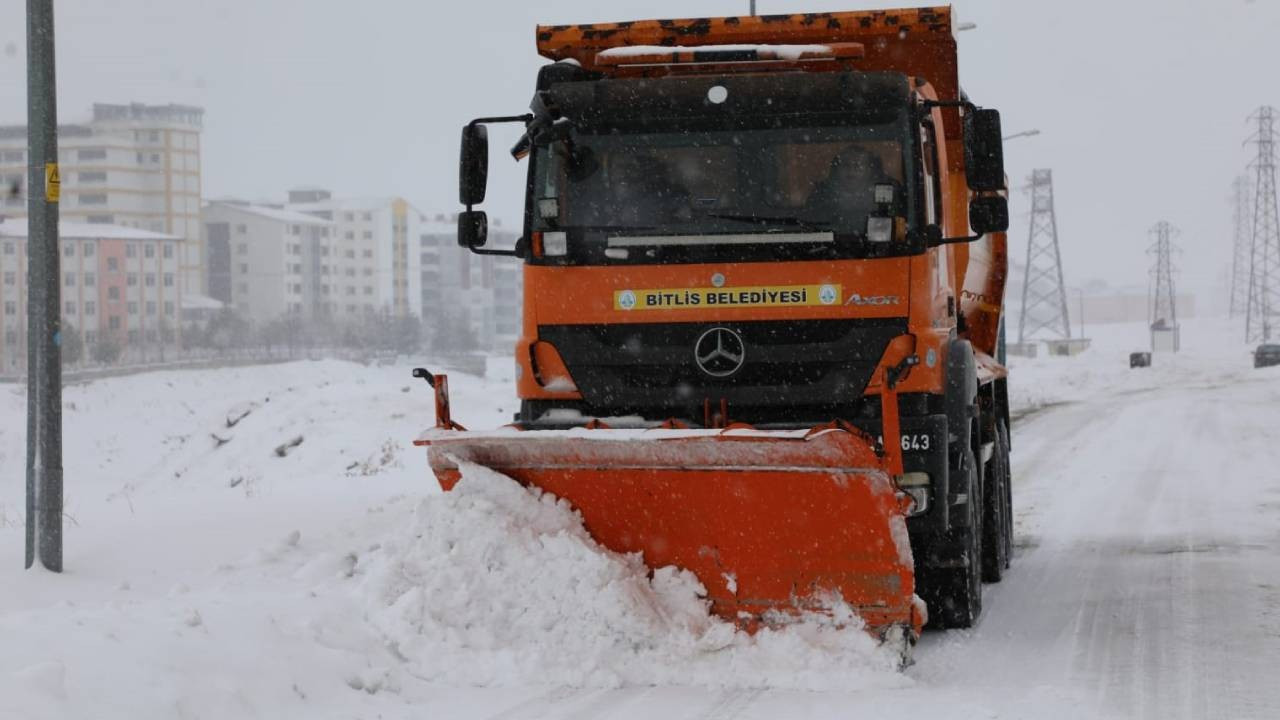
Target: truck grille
[[790, 367]]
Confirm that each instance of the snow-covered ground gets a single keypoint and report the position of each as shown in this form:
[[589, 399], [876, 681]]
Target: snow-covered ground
[[209, 577]]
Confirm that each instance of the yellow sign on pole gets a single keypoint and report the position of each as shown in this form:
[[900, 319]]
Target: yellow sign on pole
[[52, 182]]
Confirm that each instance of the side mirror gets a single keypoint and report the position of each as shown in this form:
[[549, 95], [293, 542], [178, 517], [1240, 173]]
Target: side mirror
[[983, 150], [473, 229], [988, 214], [473, 167]]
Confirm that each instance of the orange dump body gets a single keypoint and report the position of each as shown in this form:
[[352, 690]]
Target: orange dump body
[[768, 521]]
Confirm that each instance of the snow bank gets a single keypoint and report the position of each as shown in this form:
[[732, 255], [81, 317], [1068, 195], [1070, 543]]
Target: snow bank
[[495, 584]]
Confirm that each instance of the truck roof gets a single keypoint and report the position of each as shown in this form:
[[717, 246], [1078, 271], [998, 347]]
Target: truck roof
[[916, 42]]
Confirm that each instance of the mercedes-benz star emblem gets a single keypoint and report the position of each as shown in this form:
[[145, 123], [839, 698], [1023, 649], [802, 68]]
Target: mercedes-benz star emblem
[[719, 352]]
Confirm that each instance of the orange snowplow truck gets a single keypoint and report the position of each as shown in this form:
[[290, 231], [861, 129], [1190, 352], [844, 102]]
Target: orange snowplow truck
[[764, 265]]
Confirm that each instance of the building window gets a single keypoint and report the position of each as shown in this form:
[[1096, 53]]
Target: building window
[[350, 235], [68, 249], [93, 198], [154, 136], [242, 288], [88, 249], [151, 280], [8, 248], [92, 177], [368, 290], [139, 158], [130, 250], [351, 272], [89, 307], [242, 249], [324, 252], [168, 251], [113, 293], [168, 308], [241, 229], [113, 264], [350, 254], [10, 307], [133, 336], [101, 219], [367, 253], [295, 229], [168, 279], [69, 279], [351, 290], [113, 322], [368, 235], [88, 279], [297, 288], [133, 308], [132, 279], [155, 158], [366, 216], [149, 250], [368, 272], [244, 269], [91, 154], [151, 307], [13, 156], [69, 307]]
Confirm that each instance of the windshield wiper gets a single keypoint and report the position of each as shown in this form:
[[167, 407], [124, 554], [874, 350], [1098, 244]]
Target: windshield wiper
[[767, 220]]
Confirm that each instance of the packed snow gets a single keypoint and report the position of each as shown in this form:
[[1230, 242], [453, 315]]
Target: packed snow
[[266, 542]]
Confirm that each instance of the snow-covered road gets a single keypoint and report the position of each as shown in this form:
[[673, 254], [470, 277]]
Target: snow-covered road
[[215, 582]]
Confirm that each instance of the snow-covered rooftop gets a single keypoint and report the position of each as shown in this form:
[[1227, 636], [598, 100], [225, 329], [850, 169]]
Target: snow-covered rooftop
[[289, 216], [17, 228]]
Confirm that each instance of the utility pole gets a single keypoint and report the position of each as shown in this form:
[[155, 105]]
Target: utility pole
[[1264, 257], [1242, 245], [1044, 295], [753, 8], [1162, 306], [44, 365]]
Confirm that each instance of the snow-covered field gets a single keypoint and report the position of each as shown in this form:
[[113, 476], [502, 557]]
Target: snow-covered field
[[210, 577]]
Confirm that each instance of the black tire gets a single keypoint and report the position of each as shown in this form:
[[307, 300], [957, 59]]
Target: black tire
[[1002, 431], [995, 525], [956, 594]]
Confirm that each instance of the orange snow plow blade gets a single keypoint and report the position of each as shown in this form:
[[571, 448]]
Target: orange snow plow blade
[[768, 520]]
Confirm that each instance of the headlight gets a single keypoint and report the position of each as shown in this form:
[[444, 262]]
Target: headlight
[[879, 229], [555, 244]]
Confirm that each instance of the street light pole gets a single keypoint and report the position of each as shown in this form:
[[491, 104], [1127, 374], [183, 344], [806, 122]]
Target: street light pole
[[753, 8], [44, 365]]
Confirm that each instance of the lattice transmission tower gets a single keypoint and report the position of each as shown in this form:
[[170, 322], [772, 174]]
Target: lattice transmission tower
[[1242, 244], [1162, 306], [1264, 259], [1044, 295]]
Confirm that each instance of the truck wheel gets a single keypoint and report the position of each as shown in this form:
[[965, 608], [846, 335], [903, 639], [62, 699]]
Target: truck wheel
[[958, 595], [995, 546], [1003, 431]]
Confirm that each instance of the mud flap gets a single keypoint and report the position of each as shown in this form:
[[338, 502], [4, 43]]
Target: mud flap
[[770, 522]]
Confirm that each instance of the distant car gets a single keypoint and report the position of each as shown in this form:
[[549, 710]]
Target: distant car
[[1139, 359], [1266, 355]]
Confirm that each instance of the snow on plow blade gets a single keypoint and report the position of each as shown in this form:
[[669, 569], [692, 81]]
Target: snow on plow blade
[[768, 521]]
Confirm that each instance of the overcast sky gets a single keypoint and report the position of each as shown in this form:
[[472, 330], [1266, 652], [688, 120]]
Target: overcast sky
[[1141, 104]]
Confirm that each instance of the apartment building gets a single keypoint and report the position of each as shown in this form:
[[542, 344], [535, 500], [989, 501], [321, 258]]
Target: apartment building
[[118, 284], [374, 262], [134, 165], [267, 263], [486, 292]]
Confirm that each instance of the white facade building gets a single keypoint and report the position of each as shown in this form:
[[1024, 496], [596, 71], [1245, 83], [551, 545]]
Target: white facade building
[[485, 291], [133, 165], [266, 263]]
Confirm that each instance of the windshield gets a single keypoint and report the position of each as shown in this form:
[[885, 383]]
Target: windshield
[[694, 196]]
